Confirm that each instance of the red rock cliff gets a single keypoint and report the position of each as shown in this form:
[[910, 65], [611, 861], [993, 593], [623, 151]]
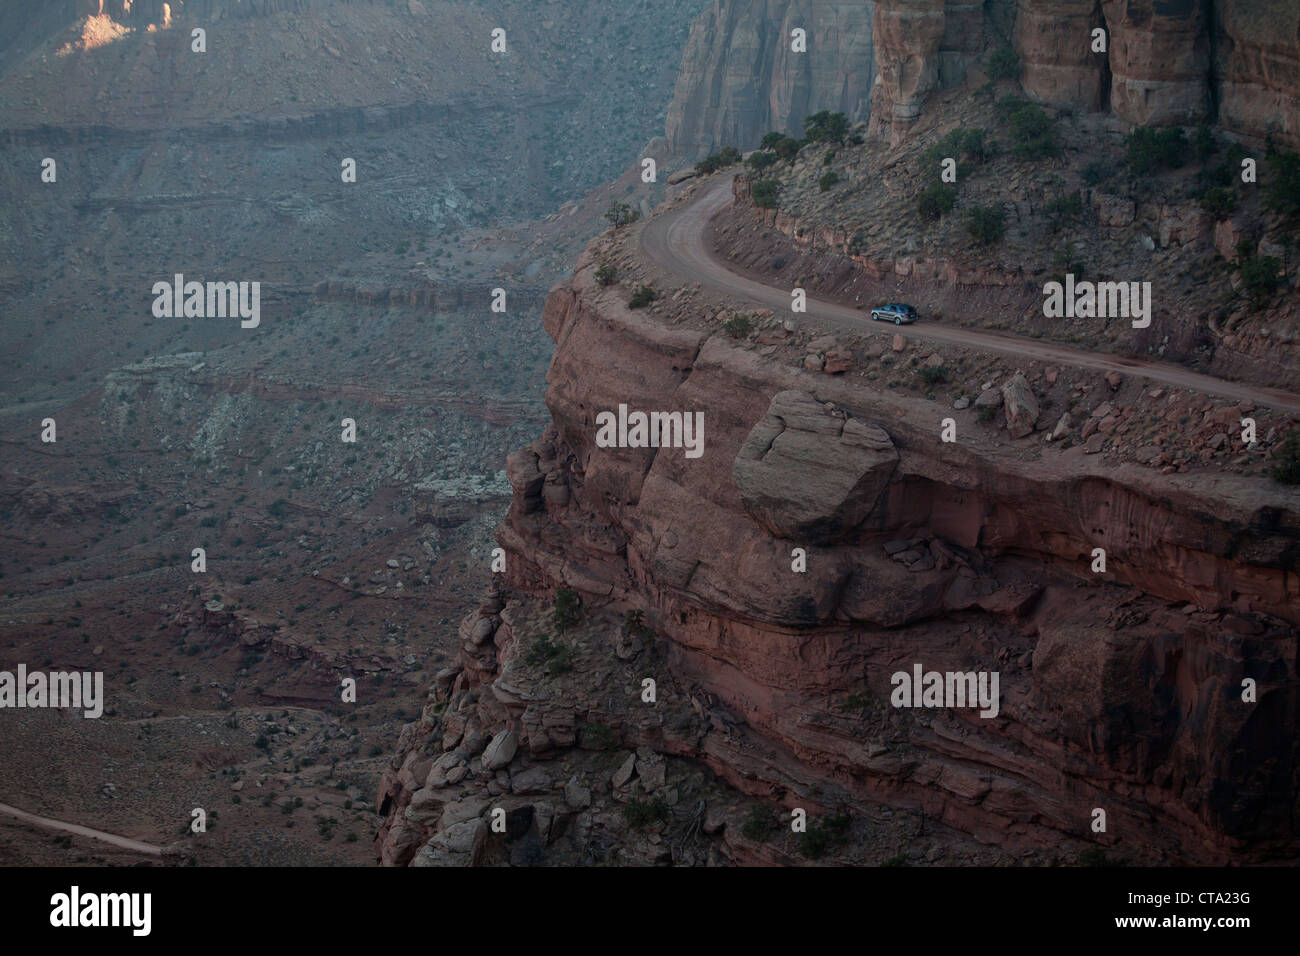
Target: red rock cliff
[[1122, 693]]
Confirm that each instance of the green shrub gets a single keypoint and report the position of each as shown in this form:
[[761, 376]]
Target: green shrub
[[1096, 172], [621, 213], [1219, 202], [1004, 64], [557, 658], [760, 160], [607, 274], [760, 823], [738, 326], [828, 180], [1150, 150], [634, 624], [1286, 463], [986, 224], [1033, 133], [1282, 189], [642, 296], [568, 609], [934, 375], [727, 156], [971, 144], [1260, 275], [818, 838], [826, 127], [1064, 209], [598, 736], [787, 147], [641, 813], [936, 201], [764, 193]]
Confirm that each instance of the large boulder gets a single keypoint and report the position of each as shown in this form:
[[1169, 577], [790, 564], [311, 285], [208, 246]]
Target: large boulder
[[501, 750], [1021, 406], [811, 473]]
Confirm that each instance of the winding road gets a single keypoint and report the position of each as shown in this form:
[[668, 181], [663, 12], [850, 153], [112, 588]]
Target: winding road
[[677, 242], [125, 843]]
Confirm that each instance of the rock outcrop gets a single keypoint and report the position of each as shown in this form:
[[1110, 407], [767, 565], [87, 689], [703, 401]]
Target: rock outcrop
[[1122, 690], [811, 473]]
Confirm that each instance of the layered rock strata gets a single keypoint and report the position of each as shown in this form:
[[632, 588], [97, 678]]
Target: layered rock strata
[[1121, 690]]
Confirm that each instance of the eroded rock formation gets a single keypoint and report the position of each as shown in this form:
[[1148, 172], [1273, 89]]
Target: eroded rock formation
[[1120, 690], [1179, 62]]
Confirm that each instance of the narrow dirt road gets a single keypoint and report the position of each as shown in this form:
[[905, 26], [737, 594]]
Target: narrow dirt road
[[676, 241], [122, 842]]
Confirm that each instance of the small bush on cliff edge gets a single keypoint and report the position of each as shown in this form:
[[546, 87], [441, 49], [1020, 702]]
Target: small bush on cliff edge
[[1282, 189], [642, 296], [821, 837], [1032, 131], [826, 127], [641, 813], [738, 326], [1150, 150], [986, 224], [568, 609], [727, 156], [621, 213], [1260, 275], [1286, 463], [935, 201], [764, 193], [1004, 64], [760, 823]]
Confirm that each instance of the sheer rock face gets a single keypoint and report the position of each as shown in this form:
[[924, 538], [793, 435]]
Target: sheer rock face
[[1165, 62], [1120, 690], [921, 46], [1257, 63], [741, 78], [1054, 42], [1159, 61]]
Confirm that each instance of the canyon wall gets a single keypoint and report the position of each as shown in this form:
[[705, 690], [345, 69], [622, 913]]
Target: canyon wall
[[1121, 691], [740, 78], [1180, 62], [1164, 63]]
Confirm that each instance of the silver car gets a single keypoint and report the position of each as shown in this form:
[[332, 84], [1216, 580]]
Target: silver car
[[895, 312]]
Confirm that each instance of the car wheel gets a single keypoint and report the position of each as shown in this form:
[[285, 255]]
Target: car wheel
[[897, 320]]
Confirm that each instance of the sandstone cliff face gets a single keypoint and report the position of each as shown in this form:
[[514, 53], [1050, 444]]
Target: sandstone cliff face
[[1178, 62], [1237, 64], [1120, 691], [739, 77]]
